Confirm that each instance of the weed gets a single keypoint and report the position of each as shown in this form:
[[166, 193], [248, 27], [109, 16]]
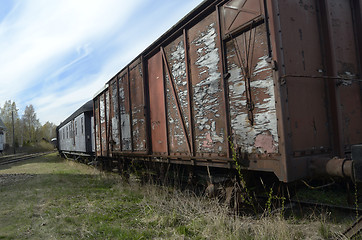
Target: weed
[[271, 197], [184, 230], [324, 230], [356, 200], [248, 199], [269, 201]]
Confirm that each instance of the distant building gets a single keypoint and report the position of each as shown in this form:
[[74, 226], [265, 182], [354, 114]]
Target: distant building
[[2, 136]]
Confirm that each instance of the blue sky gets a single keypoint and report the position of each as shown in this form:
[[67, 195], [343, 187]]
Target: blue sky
[[57, 54]]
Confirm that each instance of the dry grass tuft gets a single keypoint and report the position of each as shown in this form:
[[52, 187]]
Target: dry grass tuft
[[182, 214], [66, 200]]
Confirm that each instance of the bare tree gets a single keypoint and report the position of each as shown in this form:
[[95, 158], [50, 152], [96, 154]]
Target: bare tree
[[31, 124], [47, 131]]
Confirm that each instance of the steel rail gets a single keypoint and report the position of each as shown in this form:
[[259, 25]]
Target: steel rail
[[18, 158]]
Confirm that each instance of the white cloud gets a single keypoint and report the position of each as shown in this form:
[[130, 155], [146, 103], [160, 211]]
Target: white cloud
[[57, 54]]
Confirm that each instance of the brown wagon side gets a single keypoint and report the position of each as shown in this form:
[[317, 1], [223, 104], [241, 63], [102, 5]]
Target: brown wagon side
[[274, 84]]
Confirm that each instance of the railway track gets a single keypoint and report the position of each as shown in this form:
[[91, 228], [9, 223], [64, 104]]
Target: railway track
[[354, 230], [326, 206], [20, 157]]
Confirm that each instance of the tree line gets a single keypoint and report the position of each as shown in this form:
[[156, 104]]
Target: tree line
[[27, 129]]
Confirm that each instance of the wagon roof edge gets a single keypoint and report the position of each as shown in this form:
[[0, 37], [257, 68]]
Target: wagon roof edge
[[87, 107]]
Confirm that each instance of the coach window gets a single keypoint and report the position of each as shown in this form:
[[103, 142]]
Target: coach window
[[76, 128], [82, 125]]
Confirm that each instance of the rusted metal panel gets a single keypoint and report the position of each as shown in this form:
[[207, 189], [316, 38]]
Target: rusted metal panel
[[251, 93], [277, 59], [343, 43], [177, 97], [125, 112], [206, 73], [157, 105], [325, 113], [357, 20], [189, 90], [97, 127], [103, 124], [114, 141], [236, 14], [108, 122], [319, 99], [139, 135], [306, 97]]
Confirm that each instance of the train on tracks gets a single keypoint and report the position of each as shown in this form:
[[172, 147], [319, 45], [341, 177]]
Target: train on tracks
[[268, 85]]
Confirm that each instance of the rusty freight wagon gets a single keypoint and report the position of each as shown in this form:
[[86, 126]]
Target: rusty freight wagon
[[272, 84]]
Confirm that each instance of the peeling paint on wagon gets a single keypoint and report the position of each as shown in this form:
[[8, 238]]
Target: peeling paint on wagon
[[177, 138], [103, 125], [301, 43], [125, 117], [101, 109], [137, 107], [207, 91], [179, 75], [115, 116], [108, 129], [96, 124], [262, 136], [175, 54]]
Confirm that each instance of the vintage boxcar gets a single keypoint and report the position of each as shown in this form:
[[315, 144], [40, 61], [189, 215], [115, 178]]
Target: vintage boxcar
[[274, 85], [75, 134]]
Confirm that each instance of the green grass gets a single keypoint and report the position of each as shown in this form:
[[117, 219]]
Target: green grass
[[67, 200], [60, 199]]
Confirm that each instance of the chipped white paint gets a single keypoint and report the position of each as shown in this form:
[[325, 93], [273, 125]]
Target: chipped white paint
[[115, 137], [108, 124], [97, 140], [261, 66], [115, 120], [176, 134], [107, 109], [126, 132], [347, 78], [101, 109], [262, 136], [139, 141], [125, 120], [178, 71], [103, 120], [207, 94]]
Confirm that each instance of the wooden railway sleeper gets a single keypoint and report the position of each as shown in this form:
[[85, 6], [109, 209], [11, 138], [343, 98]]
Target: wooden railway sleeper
[[354, 230]]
